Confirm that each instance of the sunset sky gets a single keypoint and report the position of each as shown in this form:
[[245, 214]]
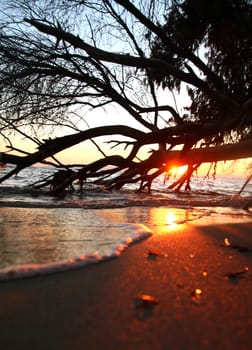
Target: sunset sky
[[86, 152]]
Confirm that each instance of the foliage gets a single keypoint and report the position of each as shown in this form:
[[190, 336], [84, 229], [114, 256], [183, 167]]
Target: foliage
[[221, 32]]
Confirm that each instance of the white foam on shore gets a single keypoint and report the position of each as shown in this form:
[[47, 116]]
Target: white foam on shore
[[137, 232]]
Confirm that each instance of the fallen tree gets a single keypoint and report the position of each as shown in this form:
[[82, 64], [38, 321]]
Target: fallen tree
[[122, 171]]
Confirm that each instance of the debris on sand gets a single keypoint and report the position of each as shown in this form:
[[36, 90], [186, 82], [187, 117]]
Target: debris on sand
[[238, 274], [145, 301], [240, 248]]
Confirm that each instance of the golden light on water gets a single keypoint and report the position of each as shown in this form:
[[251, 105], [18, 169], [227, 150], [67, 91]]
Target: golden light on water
[[160, 220], [167, 220], [171, 219]]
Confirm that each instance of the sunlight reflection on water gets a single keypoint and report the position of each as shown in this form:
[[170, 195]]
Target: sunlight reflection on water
[[42, 229]]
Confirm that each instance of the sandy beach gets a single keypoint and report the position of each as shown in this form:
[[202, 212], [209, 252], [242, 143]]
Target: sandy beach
[[202, 292]]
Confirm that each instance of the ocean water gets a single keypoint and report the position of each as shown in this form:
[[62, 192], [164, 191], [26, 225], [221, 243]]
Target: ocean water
[[41, 234]]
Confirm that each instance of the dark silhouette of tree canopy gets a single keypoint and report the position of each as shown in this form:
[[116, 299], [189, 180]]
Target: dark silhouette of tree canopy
[[60, 60], [223, 29]]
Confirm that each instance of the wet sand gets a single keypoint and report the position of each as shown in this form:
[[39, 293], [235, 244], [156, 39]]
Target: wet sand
[[95, 307]]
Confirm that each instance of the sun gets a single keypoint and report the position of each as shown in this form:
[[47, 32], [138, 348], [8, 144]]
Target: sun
[[176, 171]]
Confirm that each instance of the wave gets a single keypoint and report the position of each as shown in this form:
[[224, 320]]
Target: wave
[[208, 198], [138, 232], [110, 201], [18, 192]]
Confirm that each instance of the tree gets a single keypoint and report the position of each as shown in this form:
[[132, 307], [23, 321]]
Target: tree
[[223, 30], [68, 57]]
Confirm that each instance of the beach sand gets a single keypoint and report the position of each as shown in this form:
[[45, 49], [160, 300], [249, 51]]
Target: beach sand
[[96, 308]]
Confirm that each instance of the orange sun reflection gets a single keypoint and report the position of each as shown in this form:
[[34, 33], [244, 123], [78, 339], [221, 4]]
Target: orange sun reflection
[[168, 220], [171, 219], [160, 220]]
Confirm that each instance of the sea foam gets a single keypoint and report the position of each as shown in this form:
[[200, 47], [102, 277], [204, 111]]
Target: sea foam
[[136, 232]]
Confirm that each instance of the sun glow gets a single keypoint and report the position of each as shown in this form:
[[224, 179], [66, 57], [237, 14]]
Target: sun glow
[[171, 219], [167, 220], [177, 171]]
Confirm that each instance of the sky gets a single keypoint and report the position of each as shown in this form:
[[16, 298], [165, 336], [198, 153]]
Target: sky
[[87, 152], [84, 153]]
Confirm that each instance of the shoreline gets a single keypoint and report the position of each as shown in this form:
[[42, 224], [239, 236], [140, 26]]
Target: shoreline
[[232, 201], [95, 307], [32, 245]]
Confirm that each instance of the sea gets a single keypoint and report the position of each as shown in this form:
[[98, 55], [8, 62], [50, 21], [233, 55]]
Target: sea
[[42, 234]]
